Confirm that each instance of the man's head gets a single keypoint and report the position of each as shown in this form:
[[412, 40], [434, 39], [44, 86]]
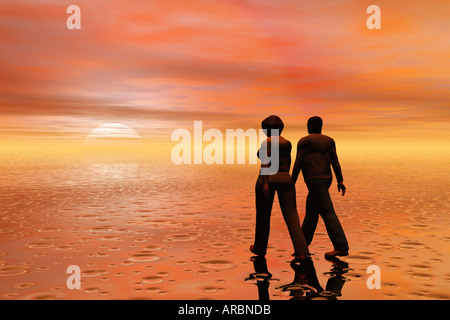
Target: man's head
[[314, 125], [272, 122]]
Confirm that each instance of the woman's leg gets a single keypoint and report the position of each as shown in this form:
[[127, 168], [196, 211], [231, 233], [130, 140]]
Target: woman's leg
[[263, 213]]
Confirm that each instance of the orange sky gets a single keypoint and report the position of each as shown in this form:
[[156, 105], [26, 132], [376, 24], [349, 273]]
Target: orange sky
[[159, 65]]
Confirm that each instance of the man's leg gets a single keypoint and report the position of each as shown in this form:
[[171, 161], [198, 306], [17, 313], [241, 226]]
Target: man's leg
[[311, 215], [332, 224], [263, 213]]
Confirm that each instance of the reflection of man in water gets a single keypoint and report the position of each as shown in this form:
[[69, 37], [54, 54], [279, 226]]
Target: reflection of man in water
[[316, 154]]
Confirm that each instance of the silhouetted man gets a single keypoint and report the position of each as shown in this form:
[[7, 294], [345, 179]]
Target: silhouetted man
[[316, 154]]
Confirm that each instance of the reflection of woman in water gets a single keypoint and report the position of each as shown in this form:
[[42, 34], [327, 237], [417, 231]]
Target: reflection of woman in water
[[281, 182]]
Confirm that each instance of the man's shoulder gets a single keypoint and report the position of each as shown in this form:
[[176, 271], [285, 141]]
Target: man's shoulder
[[315, 140], [302, 141], [327, 137], [313, 137]]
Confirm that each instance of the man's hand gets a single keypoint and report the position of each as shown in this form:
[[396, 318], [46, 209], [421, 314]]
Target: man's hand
[[341, 187], [266, 190]]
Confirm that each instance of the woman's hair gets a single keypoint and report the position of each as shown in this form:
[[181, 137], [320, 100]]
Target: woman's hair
[[272, 122]]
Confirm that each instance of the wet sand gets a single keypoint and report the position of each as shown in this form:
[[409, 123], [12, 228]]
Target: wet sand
[[143, 228]]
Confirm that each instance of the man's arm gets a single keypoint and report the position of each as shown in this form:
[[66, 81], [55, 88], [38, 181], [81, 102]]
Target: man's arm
[[298, 162], [337, 167]]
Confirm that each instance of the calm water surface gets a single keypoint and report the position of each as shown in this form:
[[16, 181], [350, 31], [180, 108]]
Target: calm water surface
[[143, 228]]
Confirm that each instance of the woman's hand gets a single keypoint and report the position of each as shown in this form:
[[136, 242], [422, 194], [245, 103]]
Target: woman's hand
[[266, 190]]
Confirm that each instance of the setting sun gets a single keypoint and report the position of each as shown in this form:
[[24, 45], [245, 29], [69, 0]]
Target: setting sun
[[113, 133]]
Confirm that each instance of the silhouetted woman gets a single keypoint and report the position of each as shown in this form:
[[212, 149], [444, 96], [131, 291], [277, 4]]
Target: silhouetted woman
[[281, 182]]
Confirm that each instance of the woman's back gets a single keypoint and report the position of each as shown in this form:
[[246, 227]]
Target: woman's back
[[284, 152]]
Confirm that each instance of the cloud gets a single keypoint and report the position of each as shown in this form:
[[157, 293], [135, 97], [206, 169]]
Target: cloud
[[224, 62]]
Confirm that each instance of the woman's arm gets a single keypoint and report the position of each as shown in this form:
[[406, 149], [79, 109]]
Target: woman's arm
[[298, 162], [266, 190]]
